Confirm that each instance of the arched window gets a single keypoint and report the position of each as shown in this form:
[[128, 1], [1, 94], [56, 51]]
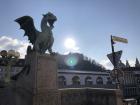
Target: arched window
[[88, 81], [109, 81], [62, 81], [99, 80], [76, 80]]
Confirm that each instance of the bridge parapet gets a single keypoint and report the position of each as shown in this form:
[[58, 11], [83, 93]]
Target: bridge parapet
[[90, 96]]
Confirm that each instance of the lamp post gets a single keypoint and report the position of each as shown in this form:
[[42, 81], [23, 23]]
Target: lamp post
[[11, 57]]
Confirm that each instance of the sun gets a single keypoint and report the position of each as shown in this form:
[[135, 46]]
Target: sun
[[69, 43]]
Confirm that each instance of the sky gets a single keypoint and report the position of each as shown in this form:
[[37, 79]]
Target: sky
[[90, 23]]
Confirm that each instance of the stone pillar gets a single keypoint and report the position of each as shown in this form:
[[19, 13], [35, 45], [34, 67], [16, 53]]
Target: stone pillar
[[119, 97], [40, 82]]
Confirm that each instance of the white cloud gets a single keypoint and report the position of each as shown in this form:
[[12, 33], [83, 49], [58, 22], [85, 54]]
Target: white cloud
[[8, 43], [131, 62], [76, 48], [73, 50], [70, 45], [107, 64]]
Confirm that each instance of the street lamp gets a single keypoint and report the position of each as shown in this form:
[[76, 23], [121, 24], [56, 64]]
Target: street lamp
[[3, 53], [11, 57]]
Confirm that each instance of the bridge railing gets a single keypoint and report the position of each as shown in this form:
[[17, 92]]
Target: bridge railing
[[111, 86]]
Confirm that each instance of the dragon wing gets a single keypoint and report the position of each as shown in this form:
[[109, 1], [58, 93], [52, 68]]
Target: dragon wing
[[26, 23]]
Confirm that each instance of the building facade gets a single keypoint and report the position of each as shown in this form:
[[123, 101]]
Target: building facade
[[130, 83], [74, 78], [66, 78], [129, 78]]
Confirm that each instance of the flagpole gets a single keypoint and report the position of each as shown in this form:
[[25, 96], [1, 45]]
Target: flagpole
[[114, 63]]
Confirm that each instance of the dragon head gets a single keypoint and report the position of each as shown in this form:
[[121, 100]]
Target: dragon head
[[51, 18]]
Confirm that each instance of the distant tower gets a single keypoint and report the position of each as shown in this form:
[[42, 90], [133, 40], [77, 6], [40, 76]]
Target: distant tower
[[137, 64], [127, 63]]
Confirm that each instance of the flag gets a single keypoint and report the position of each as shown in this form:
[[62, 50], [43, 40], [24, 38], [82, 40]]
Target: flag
[[119, 39]]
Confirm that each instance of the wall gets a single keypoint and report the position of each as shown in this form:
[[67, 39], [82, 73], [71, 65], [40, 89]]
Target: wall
[[90, 96], [69, 74], [71, 96]]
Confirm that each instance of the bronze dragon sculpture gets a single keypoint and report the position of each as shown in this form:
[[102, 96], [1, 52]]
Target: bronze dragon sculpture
[[43, 40]]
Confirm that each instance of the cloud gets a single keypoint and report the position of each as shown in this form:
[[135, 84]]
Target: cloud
[[8, 43], [73, 50], [70, 45], [131, 62], [107, 64]]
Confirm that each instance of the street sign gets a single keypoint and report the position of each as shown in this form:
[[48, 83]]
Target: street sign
[[119, 39], [117, 57]]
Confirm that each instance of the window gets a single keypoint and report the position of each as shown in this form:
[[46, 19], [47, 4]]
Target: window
[[61, 81], [109, 81], [76, 80], [88, 81], [99, 80]]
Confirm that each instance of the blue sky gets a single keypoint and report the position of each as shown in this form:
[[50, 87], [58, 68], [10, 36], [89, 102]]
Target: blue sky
[[89, 22]]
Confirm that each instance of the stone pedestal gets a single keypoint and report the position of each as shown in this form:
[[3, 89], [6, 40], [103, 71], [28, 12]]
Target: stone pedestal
[[39, 84]]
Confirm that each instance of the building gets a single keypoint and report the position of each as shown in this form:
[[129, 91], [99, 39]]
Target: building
[[130, 80], [68, 76], [74, 78]]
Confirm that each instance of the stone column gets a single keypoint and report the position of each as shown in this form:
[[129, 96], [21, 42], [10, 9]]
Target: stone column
[[40, 82], [46, 81]]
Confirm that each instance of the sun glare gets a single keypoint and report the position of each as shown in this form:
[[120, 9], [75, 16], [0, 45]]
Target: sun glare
[[69, 43]]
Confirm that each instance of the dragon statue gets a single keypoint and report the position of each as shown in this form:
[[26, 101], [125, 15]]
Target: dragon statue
[[43, 40]]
